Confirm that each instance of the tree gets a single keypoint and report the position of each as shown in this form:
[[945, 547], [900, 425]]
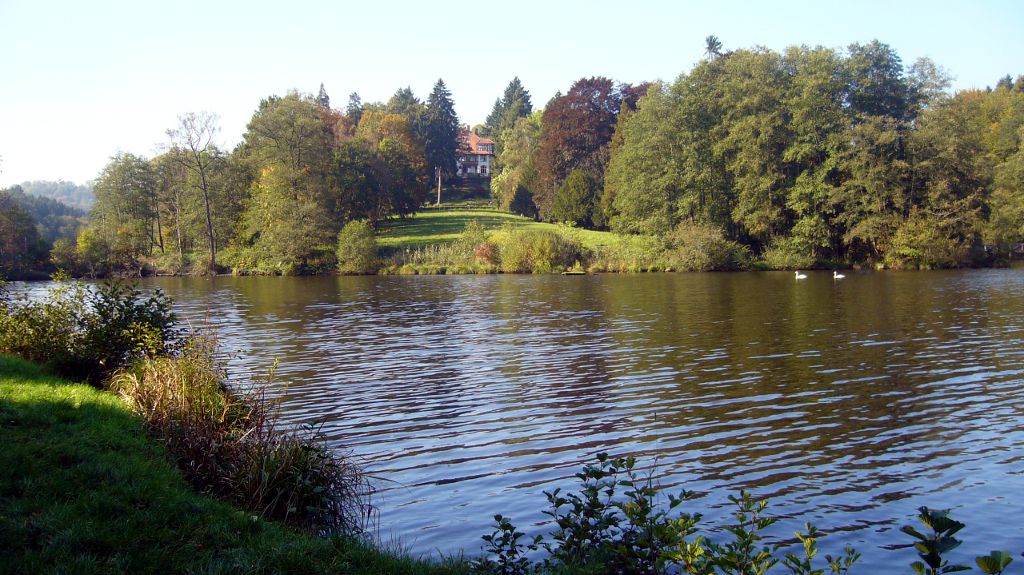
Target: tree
[[516, 173], [378, 126], [376, 180], [818, 118], [20, 246], [928, 84], [194, 134], [642, 182], [172, 177], [751, 138], [441, 136], [286, 227], [404, 102], [354, 109], [576, 130], [123, 214], [873, 192], [952, 172], [712, 47], [514, 104], [289, 131], [575, 200], [877, 86], [1005, 226], [291, 217], [322, 99], [357, 249]]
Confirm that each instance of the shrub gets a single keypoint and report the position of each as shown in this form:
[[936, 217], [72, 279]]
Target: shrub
[[227, 445], [631, 253], [921, 242], [703, 247], [537, 251], [472, 236], [938, 539], [615, 524], [88, 332], [357, 249], [575, 199], [787, 254]]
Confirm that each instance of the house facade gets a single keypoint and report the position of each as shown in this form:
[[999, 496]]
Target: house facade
[[476, 155]]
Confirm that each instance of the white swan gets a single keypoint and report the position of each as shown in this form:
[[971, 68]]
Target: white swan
[[836, 275], [800, 276]]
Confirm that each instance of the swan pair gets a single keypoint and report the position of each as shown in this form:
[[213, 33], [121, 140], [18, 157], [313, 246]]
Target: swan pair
[[835, 275]]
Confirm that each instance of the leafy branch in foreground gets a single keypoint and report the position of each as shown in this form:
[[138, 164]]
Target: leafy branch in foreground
[[939, 539], [616, 524]]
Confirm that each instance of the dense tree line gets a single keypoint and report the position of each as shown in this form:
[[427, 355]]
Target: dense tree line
[[276, 202], [809, 156], [812, 156]]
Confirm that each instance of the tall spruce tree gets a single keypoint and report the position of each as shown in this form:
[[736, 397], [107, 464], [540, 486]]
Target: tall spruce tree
[[441, 138], [322, 99], [354, 109], [514, 104]]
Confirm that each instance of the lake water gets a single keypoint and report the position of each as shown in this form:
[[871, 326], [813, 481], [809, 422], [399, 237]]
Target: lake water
[[848, 403]]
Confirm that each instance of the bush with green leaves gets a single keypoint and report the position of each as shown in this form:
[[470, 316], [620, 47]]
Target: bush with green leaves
[[357, 249], [88, 331], [938, 539], [703, 248], [631, 254], [923, 242], [787, 254], [535, 251], [616, 524]]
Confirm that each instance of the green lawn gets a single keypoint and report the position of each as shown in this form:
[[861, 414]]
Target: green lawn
[[438, 225], [84, 490]]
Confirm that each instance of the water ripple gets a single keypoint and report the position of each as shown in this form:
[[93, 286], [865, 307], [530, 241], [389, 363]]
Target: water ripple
[[848, 404]]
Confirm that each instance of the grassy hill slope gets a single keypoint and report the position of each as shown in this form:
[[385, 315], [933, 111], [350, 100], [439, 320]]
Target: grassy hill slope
[[444, 224]]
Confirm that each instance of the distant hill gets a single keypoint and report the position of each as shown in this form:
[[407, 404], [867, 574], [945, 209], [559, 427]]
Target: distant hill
[[68, 193], [54, 219]]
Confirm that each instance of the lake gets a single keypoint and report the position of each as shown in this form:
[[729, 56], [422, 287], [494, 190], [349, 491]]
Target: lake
[[848, 403]]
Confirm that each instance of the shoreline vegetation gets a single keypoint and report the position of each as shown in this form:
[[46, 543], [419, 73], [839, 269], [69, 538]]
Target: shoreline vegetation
[[87, 489], [471, 237], [154, 461], [811, 157], [115, 475]]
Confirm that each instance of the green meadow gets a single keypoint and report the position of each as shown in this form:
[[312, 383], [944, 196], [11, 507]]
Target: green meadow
[[83, 489], [436, 225]]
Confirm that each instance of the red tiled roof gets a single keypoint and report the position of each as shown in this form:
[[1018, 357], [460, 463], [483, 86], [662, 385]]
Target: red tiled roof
[[474, 142]]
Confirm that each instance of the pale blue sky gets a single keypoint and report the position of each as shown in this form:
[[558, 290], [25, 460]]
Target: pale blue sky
[[84, 79]]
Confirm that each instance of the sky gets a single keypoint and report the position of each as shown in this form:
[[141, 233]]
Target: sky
[[83, 80]]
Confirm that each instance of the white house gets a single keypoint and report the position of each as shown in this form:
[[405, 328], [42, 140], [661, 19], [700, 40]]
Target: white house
[[476, 155]]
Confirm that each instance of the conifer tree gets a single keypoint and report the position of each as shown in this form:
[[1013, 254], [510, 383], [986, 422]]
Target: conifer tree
[[441, 140]]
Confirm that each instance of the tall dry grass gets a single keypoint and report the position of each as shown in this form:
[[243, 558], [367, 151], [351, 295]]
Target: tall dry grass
[[227, 443]]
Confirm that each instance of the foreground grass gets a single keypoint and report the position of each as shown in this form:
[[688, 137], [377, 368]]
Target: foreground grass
[[444, 224], [84, 490]]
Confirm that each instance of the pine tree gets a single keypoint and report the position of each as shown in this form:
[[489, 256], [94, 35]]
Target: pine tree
[[514, 104], [441, 141], [354, 110], [322, 99]]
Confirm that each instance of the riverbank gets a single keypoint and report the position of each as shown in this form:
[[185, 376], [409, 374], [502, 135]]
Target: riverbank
[[84, 490]]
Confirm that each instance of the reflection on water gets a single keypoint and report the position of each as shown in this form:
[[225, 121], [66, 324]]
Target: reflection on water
[[848, 403]]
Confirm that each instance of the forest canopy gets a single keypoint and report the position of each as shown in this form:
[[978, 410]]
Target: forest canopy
[[811, 156]]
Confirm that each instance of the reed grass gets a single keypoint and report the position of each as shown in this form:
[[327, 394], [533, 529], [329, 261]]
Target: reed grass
[[226, 441]]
